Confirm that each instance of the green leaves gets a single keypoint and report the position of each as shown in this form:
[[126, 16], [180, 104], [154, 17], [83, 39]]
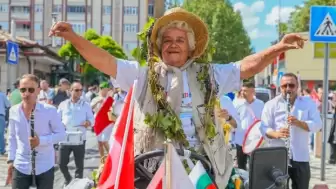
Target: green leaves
[[227, 44], [299, 19], [140, 53], [105, 42], [143, 34]]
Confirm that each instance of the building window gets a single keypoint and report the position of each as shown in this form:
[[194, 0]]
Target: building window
[[76, 9], [4, 26], [151, 10], [57, 8], [38, 26], [131, 28], [39, 41], [130, 10], [107, 9], [20, 9], [78, 27], [128, 46], [23, 27], [3, 8], [106, 28], [58, 41], [38, 8]]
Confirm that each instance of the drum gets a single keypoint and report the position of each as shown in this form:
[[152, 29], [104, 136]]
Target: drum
[[253, 138], [73, 138]]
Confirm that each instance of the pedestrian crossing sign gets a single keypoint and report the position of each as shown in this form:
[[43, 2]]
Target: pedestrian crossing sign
[[12, 55], [322, 24]]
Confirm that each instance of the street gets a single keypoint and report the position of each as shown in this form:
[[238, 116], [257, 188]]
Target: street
[[92, 161]]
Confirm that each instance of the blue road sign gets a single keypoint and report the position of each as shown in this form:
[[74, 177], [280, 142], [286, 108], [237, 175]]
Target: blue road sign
[[12, 55], [322, 24], [280, 74]]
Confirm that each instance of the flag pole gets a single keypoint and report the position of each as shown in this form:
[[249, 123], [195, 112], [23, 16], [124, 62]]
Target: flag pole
[[123, 145], [168, 168]]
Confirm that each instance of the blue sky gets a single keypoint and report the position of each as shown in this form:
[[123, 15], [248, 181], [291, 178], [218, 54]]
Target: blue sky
[[261, 16]]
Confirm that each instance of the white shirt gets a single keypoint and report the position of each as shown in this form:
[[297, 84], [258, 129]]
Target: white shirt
[[118, 103], [45, 95], [49, 128], [274, 117], [75, 114], [248, 113], [227, 104], [227, 77]]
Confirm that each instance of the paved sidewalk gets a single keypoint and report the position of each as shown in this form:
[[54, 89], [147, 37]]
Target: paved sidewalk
[[92, 162], [3, 171], [330, 173]]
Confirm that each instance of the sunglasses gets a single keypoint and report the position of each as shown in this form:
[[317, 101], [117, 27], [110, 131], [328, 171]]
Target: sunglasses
[[30, 90], [290, 85], [78, 90]]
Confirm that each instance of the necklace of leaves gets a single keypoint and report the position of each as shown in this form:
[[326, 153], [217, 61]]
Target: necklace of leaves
[[165, 119]]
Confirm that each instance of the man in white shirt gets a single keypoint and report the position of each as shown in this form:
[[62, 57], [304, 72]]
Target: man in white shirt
[[76, 115], [304, 118], [96, 105], [46, 94], [249, 110], [48, 130]]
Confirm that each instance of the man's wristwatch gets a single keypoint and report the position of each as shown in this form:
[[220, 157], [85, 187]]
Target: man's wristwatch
[[229, 119], [10, 161]]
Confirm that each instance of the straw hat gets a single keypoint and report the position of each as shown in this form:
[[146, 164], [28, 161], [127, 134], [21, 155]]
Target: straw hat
[[197, 25]]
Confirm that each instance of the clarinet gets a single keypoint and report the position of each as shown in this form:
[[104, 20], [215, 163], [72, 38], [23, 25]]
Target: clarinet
[[33, 151], [287, 140]]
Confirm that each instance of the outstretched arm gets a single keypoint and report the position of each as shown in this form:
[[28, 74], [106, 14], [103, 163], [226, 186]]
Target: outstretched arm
[[96, 56], [255, 63]]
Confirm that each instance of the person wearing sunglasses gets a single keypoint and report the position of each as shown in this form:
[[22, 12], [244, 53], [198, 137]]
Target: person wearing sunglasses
[[76, 116], [43, 119], [303, 117]]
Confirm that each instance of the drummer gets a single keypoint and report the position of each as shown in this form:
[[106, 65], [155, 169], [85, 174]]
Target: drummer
[[249, 108], [76, 116]]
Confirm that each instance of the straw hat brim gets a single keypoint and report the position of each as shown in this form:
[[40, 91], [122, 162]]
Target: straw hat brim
[[198, 26]]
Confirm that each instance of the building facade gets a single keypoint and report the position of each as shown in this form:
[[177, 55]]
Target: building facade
[[32, 19], [309, 63], [121, 19]]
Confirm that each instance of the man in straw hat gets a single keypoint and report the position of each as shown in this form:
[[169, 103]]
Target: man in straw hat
[[165, 88]]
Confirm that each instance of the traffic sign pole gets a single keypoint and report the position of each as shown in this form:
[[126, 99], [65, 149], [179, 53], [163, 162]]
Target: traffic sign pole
[[323, 29], [325, 109]]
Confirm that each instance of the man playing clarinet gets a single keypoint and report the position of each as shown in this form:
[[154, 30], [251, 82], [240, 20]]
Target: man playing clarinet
[[287, 121], [33, 129]]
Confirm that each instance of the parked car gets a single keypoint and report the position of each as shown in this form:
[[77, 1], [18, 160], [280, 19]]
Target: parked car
[[263, 94]]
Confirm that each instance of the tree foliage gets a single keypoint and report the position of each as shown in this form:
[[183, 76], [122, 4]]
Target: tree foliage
[[282, 28], [299, 19], [105, 42], [228, 37]]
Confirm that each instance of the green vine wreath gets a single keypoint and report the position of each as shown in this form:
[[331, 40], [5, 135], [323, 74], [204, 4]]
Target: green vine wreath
[[165, 119]]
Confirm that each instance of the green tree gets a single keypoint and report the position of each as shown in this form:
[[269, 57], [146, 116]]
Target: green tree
[[299, 19], [105, 42], [282, 28], [227, 34]]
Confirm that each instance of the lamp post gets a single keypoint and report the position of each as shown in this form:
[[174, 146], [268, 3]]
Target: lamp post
[[278, 57], [12, 70], [54, 20]]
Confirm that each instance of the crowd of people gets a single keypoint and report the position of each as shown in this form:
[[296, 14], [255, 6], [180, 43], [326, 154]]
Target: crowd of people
[[75, 109]]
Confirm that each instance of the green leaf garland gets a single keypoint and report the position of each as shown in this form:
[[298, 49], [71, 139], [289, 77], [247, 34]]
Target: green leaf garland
[[165, 119]]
